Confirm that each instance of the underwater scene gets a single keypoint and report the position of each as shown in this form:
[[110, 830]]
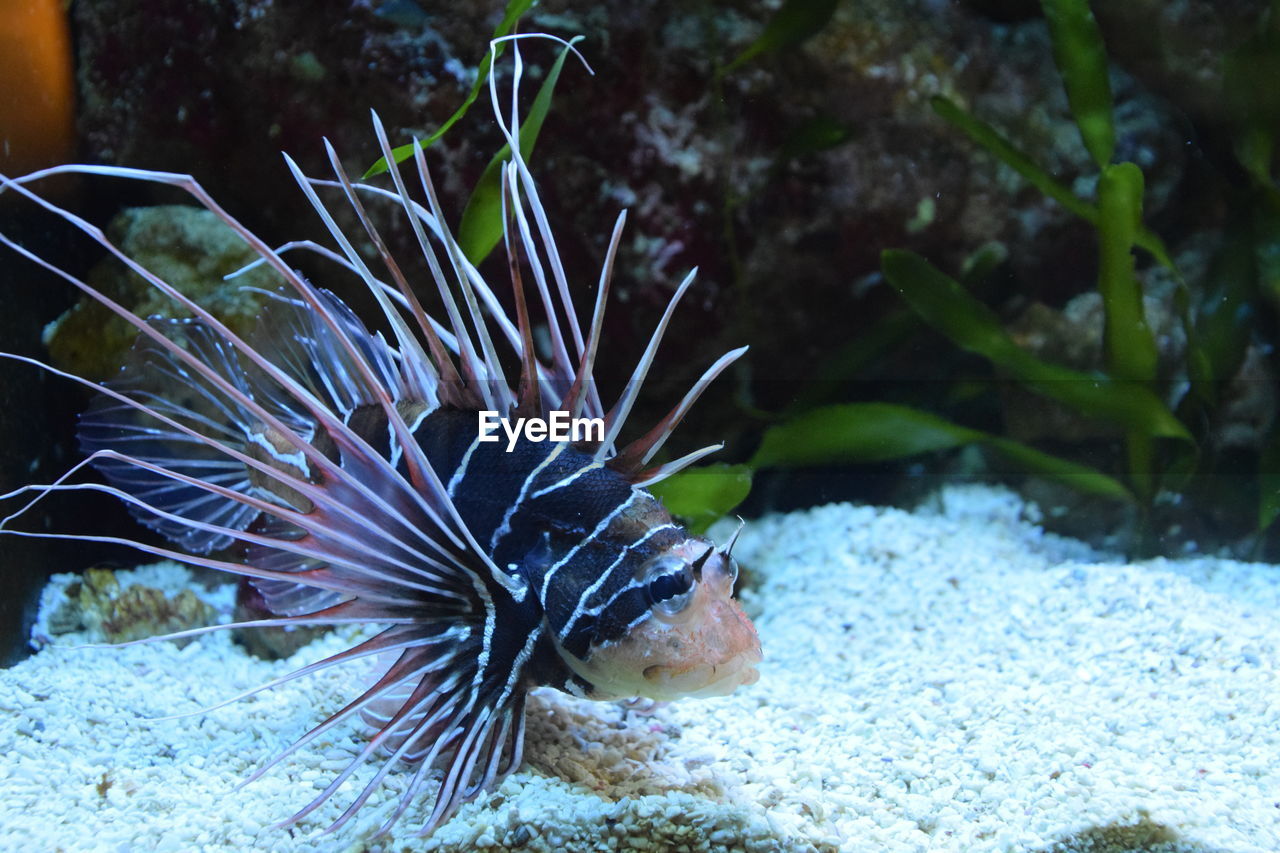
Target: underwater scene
[[769, 425]]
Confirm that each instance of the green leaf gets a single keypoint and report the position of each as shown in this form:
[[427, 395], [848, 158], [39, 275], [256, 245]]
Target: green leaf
[[1222, 323], [796, 21], [481, 225], [1128, 343], [1082, 61], [1251, 100], [857, 432], [515, 8], [1127, 340], [875, 432], [703, 495], [813, 135], [1130, 347], [944, 304], [992, 140], [1255, 147], [981, 263], [1082, 478]]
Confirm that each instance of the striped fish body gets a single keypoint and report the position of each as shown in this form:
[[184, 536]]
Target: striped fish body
[[347, 470], [573, 575], [587, 554]]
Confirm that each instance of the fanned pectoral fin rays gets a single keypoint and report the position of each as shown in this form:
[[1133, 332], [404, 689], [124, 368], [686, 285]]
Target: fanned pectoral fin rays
[[427, 709], [213, 444], [338, 465]]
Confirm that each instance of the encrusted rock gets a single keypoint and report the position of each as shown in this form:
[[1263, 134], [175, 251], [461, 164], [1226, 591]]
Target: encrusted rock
[[189, 248], [100, 606]]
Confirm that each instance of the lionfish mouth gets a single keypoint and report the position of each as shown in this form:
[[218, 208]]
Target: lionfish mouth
[[713, 654], [709, 649], [310, 446]]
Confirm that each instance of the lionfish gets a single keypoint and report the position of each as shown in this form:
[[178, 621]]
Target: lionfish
[[350, 472]]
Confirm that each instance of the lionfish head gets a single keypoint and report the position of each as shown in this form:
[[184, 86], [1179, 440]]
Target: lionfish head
[[693, 641]]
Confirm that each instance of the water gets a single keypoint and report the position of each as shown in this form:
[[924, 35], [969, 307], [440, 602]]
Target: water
[[1021, 596]]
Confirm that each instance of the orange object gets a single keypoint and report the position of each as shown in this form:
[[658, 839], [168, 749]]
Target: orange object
[[37, 87]]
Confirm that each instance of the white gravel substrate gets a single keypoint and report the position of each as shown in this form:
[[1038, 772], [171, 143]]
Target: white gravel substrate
[[950, 679]]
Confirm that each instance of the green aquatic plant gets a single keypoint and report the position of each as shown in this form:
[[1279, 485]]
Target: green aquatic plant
[[1247, 268], [793, 23], [877, 432], [1006, 152], [811, 434], [1164, 413], [482, 218], [1082, 61], [510, 18], [1124, 392], [1165, 448]]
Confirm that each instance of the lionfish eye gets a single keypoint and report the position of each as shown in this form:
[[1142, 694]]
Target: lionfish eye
[[668, 583], [669, 586]]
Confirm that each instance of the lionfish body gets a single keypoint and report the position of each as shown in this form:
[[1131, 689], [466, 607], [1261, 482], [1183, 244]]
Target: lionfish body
[[349, 471]]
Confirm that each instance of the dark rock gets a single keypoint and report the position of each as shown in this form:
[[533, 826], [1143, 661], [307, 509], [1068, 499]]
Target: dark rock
[[710, 167], [267, 643]]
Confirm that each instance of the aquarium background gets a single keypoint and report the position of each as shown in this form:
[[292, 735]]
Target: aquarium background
[[1028, 245], [782, 149]]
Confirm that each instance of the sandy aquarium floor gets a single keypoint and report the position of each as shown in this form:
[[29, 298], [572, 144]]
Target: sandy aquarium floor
[[950, 679]]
